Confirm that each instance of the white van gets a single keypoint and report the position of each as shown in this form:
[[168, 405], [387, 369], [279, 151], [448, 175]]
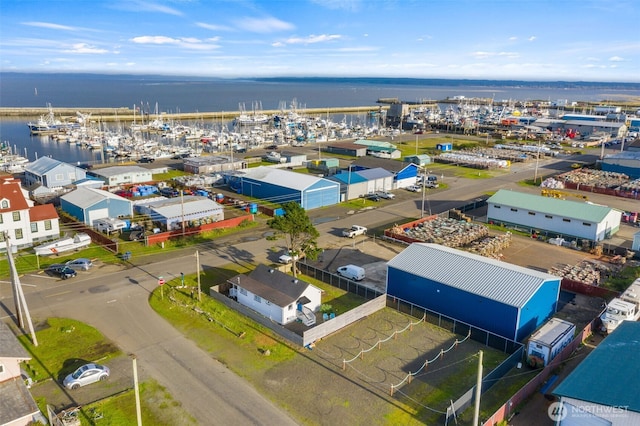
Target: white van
[[351, 272], [109, 225]]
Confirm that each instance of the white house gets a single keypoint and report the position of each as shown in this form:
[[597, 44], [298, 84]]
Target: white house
[[22, 223], [17, 406], [276, 295]]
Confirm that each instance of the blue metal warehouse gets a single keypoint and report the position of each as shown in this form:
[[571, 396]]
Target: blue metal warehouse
[[507, 300], [281, 186], [89, 204]]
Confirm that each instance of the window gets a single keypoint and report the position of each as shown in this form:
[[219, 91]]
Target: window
[[586, 224], [548, 216], [566, 220], [5, 204], [1, 220], [2, 237], [72, 176], [47, 225], [34, 227], [1, 368], [16, 216], [514, 210], [59, 176], [18, 234], [243, 291], [257, 298], [532, 213], [290, 307]]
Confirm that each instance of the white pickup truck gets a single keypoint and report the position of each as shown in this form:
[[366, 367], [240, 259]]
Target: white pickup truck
[[354, 231]]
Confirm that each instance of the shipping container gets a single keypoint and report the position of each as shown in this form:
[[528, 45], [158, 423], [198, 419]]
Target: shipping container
[[547, 342]]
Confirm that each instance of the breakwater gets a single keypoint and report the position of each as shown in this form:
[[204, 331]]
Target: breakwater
[[128, 114]]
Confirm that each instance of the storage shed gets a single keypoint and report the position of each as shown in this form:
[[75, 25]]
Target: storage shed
[[553, 216], [281, 186], [403, 174], [504, 299], [212, 164], [88, 204], [419, 160], [444, 146]]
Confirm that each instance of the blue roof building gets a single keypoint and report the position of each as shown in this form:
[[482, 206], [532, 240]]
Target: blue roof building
[[504, 299], [604, 388], [281, 186]]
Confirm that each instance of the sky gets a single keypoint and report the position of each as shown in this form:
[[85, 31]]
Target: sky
[[570, 40]]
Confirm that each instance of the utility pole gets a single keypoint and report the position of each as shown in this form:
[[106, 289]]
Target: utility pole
[[198, 274], [136, 389], [18, 294], [182, 208], [476, 411]]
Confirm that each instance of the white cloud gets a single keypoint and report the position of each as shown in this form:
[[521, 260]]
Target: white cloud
[[213, 27], [184, 42], [351, 5], [486, 55], [146, 6], [84, 48], [513, 38], [51, 26], [531, 38], [616, 59], [264, 25], [312, 39]]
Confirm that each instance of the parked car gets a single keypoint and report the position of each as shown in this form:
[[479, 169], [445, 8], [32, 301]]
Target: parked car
[[385, 194], [373, 197], [169, 192], [85, 375], [60, 270], [287, 258], [351, 272], [82, 263], [146, 160], [414, 188]]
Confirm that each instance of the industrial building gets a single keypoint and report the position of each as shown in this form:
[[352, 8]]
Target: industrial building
[[88, 204], [280, 186], [46, 175], [122, 175], [503, 299], [603, 389], [552, 216], [212, 164], [626, 162], [402, 174]]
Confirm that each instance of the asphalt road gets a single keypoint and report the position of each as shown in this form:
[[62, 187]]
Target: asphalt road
[[116, 302]]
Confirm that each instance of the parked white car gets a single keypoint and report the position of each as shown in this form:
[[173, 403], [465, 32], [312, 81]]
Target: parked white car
[[414, 188], [85, 375], [385, 194], [287, 258]]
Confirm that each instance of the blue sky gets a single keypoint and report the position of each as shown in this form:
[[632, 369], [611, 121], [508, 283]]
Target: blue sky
[[586, 40]]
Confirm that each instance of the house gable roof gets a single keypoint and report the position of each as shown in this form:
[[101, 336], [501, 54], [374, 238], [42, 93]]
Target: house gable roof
[[42, 212], [43, 165], [272, 285], [84, 197], [615, 360], [285, 178], [11, 191], [10, 347]]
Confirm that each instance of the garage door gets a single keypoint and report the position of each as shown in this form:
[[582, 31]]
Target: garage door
[[97, 214]]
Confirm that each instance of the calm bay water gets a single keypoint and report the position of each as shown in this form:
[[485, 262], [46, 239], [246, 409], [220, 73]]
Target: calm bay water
[[184, 94]]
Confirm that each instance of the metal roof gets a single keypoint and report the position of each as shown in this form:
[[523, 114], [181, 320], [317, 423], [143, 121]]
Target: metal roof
[[345, 178], [119, 170], [548, 205], [377, 173], [489, 278], [85, 196], [183, 206], [43, 165], [285, 178], [609, 374]]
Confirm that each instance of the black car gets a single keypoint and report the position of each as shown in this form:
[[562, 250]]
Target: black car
[[146, 160], [373, 197], [169, 192], [62, 271]]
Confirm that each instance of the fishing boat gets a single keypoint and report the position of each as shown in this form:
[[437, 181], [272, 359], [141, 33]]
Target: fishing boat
[[78, 241], [47, 124], [626, 307]]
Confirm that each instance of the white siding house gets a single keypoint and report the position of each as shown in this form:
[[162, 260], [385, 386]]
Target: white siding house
[[276, 295]]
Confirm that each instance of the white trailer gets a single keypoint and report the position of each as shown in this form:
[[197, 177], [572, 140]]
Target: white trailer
[[547, 342]]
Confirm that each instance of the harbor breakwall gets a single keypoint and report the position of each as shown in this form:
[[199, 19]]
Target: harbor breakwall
[[127, 114]]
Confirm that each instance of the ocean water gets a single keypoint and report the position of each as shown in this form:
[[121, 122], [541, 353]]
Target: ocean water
[[185, 94]]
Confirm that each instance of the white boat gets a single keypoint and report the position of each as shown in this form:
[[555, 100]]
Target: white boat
[[78, 241], [275, 157]]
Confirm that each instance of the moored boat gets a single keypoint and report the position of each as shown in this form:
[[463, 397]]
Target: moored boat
[[78, 241]]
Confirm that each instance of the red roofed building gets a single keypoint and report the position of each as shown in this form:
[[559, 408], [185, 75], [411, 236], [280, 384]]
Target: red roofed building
[[16, 221]]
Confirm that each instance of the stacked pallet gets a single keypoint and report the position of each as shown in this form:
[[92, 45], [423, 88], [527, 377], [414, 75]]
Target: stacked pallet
[[490, 246], [594, 178], [447, 232], [585, 272]]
